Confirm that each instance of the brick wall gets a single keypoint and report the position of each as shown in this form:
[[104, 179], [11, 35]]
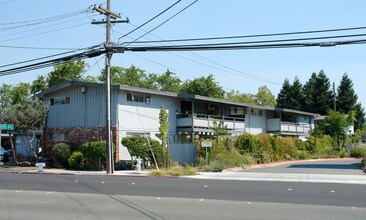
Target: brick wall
[[79, 136]]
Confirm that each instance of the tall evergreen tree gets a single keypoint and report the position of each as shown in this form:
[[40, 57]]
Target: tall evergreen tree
[[318, 96], [346, 97], [359, 115], [283, 98], [296, 95], [308, 91], [322, 94]]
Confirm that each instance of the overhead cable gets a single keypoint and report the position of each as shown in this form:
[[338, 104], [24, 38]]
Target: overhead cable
[[151, 19]]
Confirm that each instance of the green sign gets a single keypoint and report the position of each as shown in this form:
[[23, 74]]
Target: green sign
[[6, 127]]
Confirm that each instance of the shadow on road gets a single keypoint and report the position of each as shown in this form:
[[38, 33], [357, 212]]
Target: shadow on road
[[353, 166]]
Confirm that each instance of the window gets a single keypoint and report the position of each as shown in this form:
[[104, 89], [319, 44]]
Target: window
[[58, 136], [59, 100], [137, 134], [256, 112], [139, 98]]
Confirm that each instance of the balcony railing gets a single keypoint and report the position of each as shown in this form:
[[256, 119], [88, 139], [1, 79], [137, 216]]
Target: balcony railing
[[289, 128], [202, 121]]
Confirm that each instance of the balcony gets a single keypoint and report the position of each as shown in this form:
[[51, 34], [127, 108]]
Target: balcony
[[288, 128], [204, 123]]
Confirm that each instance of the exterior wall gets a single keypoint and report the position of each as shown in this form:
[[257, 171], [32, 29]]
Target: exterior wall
[[86, 109], [78, 136], [255, 124], [22, 146], [139, 117]]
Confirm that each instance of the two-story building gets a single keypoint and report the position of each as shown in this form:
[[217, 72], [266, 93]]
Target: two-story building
[[77, 114]]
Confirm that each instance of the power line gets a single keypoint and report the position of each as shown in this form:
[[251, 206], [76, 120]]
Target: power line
[[239, 47], [151, 19], [171, 17], [36, 48], [252, 36], [235, 71], [43, 20], [272, 41]]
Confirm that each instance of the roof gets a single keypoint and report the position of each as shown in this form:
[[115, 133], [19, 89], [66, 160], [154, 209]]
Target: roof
[[189, 97]]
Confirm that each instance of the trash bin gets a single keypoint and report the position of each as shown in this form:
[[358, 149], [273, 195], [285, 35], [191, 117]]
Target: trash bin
[[40, 166]]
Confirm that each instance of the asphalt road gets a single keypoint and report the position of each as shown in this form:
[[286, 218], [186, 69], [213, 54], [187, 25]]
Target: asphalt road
[[36, 196]]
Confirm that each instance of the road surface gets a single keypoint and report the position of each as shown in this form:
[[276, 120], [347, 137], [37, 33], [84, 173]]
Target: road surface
[[35, 196]]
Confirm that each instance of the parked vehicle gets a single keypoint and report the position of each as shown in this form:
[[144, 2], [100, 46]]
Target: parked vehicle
[[4, 155]]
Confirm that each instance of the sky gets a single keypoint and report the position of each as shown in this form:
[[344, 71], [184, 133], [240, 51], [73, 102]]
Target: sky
[[205, 18]]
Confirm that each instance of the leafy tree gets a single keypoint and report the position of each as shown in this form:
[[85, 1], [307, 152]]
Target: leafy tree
[[163, 130], [335, 125], [138, 146], [241, 97], [132, 76], [168, 82], [96, 150], [283, 98], [346, 96], [6, 98], [39, 84], [66, 71], [264, 96], [27, 115], [204, 86]]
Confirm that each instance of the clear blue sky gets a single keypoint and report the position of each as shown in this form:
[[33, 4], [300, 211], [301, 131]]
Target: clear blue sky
[[206, 18]]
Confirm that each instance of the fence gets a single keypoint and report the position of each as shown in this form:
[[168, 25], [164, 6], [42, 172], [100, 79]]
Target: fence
[[183, 153]]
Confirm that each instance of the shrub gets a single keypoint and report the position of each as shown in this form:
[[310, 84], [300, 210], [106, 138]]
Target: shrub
[[358, 152], [61, 152], [138, 146], [95, 152], [76, 160], [175, 170], [302, 154]]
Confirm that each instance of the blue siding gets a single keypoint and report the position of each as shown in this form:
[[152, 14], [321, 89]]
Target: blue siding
[[85, 109]]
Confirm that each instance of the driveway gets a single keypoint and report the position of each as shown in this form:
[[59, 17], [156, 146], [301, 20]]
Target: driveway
[[347, 166]]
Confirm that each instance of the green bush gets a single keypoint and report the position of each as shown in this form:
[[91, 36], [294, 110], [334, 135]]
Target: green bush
[[358, 152], [76, 160], [138, 146], [95, 154], [302, 155], [61, 153]]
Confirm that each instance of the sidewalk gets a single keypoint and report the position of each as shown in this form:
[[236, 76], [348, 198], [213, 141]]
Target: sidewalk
[[34, 170]]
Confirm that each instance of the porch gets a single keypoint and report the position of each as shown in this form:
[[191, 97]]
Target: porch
[[275, 125], [204, 123]]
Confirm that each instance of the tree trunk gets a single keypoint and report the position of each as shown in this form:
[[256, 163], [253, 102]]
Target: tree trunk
[[30, 141], [13, 149]]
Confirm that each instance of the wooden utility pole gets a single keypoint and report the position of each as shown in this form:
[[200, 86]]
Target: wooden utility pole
[[109, 52]]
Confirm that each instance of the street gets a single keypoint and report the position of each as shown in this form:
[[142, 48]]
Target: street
[[39, 196]]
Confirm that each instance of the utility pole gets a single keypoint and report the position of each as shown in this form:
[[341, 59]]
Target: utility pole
[[109, 52]]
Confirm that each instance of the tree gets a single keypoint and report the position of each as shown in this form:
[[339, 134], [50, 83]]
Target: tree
[[296, 95], [283, 98], [346, 96], [138, 146], [308, 91], [27, 115], [71, 70], [163, 130], [335, 125], [322, 94], [95, 150], [359, 115], [241, 97], [264, 96], [204, 86], [168, 82], [39, 84]]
